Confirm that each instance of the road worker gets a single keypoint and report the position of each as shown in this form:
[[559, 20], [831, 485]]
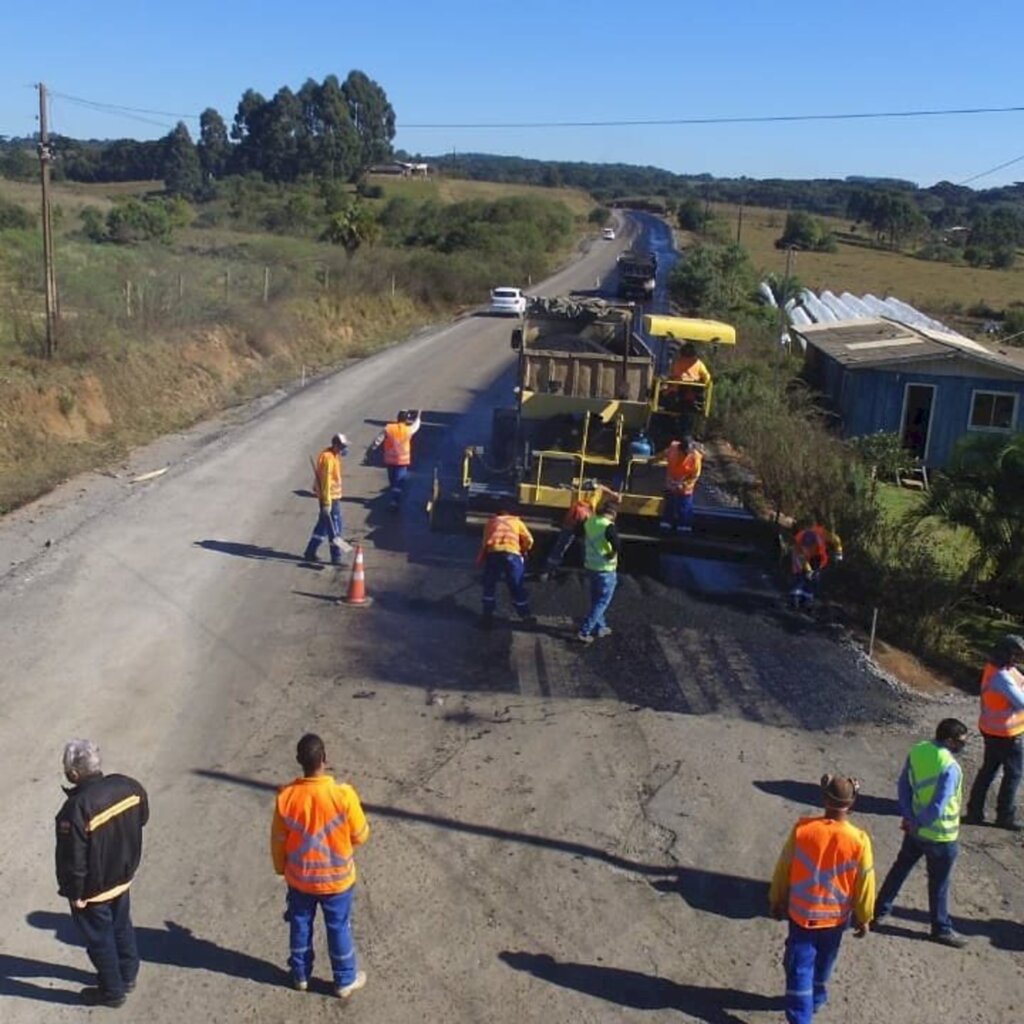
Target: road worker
[[396, 439], [688, 367], [327, 488], [601, 547], [684, 461], [99, 847], [929, 792], [824, 875], [1002, 727], [317, 823], [809, 557], [592, 493], [687, 394], [506, 543]]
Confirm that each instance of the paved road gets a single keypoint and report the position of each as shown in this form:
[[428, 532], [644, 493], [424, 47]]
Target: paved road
[[559, 833]]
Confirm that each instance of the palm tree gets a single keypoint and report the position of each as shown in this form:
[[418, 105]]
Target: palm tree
[[982, 491]]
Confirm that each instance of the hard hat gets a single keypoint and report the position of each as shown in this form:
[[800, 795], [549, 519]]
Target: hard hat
[[340, 439], [839, 790]]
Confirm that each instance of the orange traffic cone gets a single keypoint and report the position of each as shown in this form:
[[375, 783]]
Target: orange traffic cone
[[357, 597]]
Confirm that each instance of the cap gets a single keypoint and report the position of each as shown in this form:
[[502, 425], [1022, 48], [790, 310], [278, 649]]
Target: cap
[[839, 790], [340, 439], [1008, 648]]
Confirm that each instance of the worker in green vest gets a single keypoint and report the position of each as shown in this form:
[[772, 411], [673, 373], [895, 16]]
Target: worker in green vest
[[930, 789], [601, 560]]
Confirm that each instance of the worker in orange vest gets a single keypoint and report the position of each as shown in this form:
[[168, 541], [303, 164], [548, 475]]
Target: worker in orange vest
[[684, 461], [317, 824], [327, 486], [592, 492], [1002, 728], [688, 367], [824, 875], [396, 439], [809, 557], [687, 391], [502, 554]]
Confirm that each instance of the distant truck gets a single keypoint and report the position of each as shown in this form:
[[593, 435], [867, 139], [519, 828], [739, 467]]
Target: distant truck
[[637, 275]]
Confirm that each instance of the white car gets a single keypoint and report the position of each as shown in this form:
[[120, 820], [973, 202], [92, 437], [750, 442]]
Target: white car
[[507, 302], [608, 234]]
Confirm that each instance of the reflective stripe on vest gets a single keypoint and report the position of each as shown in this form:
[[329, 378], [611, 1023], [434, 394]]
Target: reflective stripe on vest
[[598, 554], [313, 862], [502, 534], [928, 761], [822, 896], [397, 445], [998, 717]]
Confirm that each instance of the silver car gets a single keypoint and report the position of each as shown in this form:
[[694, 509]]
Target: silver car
[[507, 302]]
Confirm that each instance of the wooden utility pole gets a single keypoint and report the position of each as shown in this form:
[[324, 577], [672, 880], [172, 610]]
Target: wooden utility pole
[[48, 269], [739, 225]]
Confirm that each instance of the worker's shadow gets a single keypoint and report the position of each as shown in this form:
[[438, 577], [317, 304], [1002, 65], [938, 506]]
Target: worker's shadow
[[254, 551], [15, 970], [808, 794], [176, 946], [639, 991], [1002, 933], [718, 893]]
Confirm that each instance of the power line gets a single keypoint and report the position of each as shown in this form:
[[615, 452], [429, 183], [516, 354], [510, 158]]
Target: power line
[[746, 119], [991, 170], [97, 105]]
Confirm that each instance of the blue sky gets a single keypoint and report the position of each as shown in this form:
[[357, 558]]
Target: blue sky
[[453, 61]]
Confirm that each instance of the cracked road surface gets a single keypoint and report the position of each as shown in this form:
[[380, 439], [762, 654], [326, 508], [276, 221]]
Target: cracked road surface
[[560, 833]]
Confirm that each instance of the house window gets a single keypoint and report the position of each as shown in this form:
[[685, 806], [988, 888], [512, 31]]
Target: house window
[[993, 410]]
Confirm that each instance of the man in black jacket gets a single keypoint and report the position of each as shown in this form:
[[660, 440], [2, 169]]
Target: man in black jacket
[[99, 846]]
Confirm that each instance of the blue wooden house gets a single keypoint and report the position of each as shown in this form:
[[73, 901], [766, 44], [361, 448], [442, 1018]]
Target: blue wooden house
[[930, 386]]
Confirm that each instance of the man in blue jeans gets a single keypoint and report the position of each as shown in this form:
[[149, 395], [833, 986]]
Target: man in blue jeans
[[930, 790], [601, 560], [317, 823]]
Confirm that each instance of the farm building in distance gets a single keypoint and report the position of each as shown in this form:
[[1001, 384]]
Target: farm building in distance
[[884, 366]]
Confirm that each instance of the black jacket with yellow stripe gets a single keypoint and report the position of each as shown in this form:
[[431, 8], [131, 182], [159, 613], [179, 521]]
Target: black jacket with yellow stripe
[[99, 837]]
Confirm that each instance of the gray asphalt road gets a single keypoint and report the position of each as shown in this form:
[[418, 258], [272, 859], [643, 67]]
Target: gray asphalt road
[[559, 833]]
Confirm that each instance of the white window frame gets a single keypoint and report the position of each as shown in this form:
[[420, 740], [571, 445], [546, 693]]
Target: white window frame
[[999, 394], [931, 412]]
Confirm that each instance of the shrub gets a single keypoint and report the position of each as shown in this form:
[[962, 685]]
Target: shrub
[[12, 215]]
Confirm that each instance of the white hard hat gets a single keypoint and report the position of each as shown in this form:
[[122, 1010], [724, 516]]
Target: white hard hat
[[340, 439]]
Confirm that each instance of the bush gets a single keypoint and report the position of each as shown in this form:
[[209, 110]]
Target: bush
[[12, 215]]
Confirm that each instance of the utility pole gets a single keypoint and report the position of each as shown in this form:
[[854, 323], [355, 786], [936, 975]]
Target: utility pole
[[45, 156], [781, 302]]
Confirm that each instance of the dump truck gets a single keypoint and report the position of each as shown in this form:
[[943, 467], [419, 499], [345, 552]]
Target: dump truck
[[589, 407], [637, 274]]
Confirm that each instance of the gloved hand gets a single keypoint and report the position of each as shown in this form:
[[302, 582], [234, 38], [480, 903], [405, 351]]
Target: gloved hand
[[839, 556]]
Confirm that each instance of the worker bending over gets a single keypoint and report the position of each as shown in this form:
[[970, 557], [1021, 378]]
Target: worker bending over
[[591, 494], [502, 554], [825, 875], [809, 558], [396, 439], [684, 461]]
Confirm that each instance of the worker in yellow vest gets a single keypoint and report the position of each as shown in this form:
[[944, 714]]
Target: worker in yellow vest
[[396, 440], [824, 876], [502, 555], [592, 493], [601, 546], [327, 486], [1002, 728], [929, 792]]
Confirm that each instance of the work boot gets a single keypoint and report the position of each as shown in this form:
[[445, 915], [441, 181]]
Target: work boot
[[300, 984], [1010, 824], [604, 631], [93, 996], [344, 991], [309, 555], [972, 819], [952, 939], [584, 638]]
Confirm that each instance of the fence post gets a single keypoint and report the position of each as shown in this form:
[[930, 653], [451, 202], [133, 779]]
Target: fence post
[[181, 288], [128, 299], [874, 626], [266, 284], [227, 284], [392, 286]]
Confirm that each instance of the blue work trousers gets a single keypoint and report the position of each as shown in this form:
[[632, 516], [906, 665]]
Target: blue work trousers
[[810, 956], [602, 589], [510, 567], [110, 942], [939, 859], [1006, 752], [396, 483], [678, 510], [563, 542], [328, 525], [337, 909]]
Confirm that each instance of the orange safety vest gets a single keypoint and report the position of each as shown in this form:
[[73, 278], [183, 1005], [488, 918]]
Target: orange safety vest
[[327, 482], [507, 534], [690, 369], [810, 549], [683, 469], [998, 715], [317, 822], [823, 873], [397, 445]]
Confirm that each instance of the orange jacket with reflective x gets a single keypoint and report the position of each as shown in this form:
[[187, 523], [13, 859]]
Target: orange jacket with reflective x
[[317, 823], [825, 873], [397, 444], [327, 481], [1001, 715], [506, 535]]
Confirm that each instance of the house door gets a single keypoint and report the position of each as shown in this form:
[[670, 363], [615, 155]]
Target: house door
[[918, 404]]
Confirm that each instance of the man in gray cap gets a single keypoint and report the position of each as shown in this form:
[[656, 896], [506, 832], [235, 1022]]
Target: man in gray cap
[[327, 483], [1002, 726]]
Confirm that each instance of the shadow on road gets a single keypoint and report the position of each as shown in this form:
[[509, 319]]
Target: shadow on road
[[641, 991], [15, 969], [240, 550], [1002, 933], [175, 946], [810, 794], [713, 891]]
